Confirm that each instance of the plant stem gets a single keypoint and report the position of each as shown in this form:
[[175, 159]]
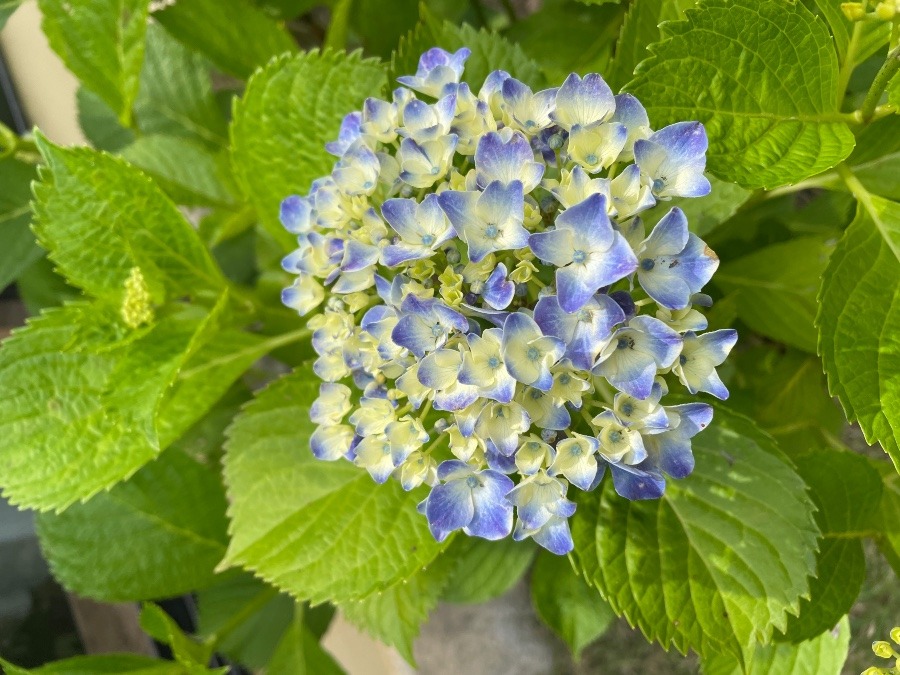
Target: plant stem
[[882, 79], [858, 190]]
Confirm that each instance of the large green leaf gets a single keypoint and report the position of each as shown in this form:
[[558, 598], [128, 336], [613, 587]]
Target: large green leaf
[[776, 288], [490, 52], [889, 515], [876, 159], [846, 490], [100, 217], [824, 655], [785, 392], [318, 530], [102, 43], [157, 535], [176, 95], [379, 30], [639, 30], [718, 562], [859, 319], [188, 172], [283, 120], [487, 569], [567, 604], [762, 77], [395, 616], [234, 35], [19, 249]]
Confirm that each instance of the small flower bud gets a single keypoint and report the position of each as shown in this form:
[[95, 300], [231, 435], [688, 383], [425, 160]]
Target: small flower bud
[[854, 11], [421, 270], [453, 256], [895, 635], [886, 11], [523, 272], [137, 305], [883, 649]]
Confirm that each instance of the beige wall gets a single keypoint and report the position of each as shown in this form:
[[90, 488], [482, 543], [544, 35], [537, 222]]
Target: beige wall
[[46, 89]]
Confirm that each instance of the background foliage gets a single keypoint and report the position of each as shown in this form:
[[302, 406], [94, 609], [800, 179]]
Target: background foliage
[[203, 114]]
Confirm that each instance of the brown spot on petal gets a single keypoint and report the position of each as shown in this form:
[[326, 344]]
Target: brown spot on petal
[[709, 252]]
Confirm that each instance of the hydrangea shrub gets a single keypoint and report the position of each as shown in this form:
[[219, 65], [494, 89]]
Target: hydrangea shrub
[[492, 305], [369, 310]]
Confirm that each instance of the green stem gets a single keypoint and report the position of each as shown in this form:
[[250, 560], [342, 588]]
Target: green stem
[[509, 9], [850, 60], [882, 79], [863, 196], [240, 617]]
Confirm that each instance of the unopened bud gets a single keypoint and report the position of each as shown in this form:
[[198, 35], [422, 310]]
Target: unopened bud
[[895, 635], [886, 11], [854, 11], [883, 649]]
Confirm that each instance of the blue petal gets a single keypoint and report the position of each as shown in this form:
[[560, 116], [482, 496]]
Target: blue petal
[[493, 513], [555, 536], [449, 507], [590, 221], [683, 141], [295, 214], [497, 461], [634, 482], [498, 291], [413, 333], [554, 246]]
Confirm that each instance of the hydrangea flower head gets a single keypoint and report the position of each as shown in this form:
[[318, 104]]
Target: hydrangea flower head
[[492, 319]]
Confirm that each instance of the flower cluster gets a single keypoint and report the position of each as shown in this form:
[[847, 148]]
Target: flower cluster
[[492, 319]]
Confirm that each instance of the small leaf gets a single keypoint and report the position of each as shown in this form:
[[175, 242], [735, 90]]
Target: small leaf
[[487, 569], [859, 317], [823, 655], [188, 172], [286, 507], [263, 617], [162, 628], [102, 43], [236, 36], [286, 115], [100, 217], [176, 96], [771, 113], [395, 615], [571, 608], [157, 535], [19, 249], [720, 560], [846, 490], [299, 653], [99, 123], [776, 288]]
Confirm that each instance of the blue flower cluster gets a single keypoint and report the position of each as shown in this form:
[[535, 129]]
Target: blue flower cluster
[[491, 317]]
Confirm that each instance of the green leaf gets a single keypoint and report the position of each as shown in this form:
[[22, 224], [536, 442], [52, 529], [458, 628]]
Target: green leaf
[[704, 214], [99, 123], [487, 569], [104, 663], [395, 615], [162, 628], [281, 124], [824, 655], [41, 288], [771, 113], [785, 392], [251, 616], [776, 288], [565, 37], [889, 515], [846, 490], [100, 217], [639, 30], [176, 96], [286, 506], [490, 52], [19, 249], [837, 22], [720, 560], [299, 653], [876, 159], [859, 315], [236, 36], [157, 535], [187, 171], [563, 601], [102, 43]]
